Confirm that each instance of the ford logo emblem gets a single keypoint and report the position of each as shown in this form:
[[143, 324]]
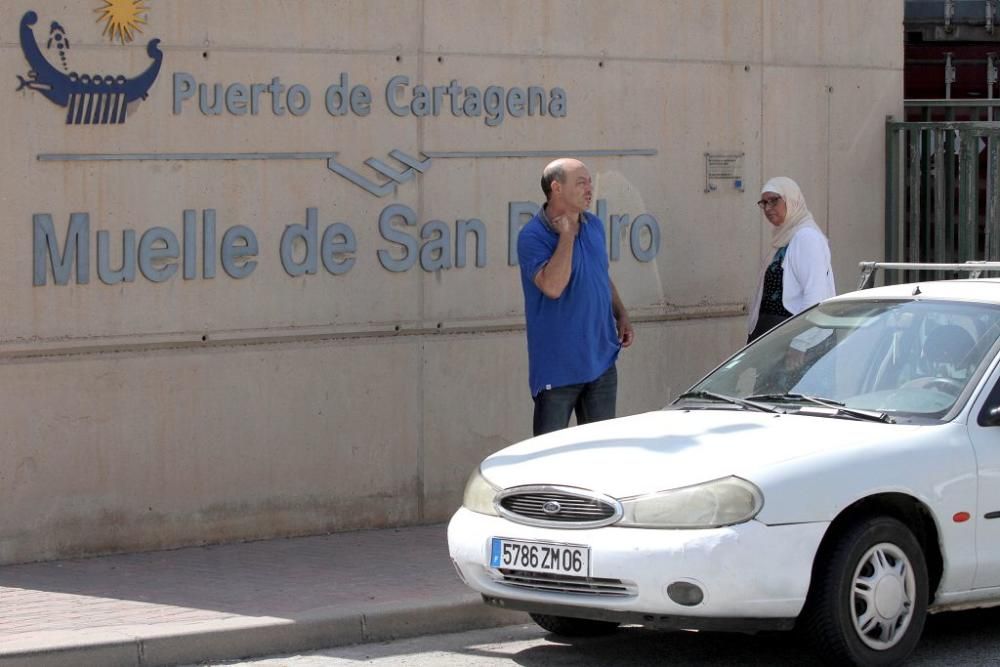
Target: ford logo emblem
[[551, 507]]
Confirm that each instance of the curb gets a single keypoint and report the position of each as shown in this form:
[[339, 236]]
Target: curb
[[243, 637]]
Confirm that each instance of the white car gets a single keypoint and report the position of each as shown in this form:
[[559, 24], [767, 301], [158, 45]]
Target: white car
[[840, 475]]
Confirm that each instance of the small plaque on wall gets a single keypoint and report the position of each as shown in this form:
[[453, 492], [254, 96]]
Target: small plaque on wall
[[723, 171]]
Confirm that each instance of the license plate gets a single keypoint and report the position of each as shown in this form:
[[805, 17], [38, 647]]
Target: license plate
[[540, 557]]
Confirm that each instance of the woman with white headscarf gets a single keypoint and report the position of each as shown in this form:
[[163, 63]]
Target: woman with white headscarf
[[797, 273]]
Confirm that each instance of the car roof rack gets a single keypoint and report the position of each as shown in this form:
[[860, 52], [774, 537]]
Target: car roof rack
[[973, 267]]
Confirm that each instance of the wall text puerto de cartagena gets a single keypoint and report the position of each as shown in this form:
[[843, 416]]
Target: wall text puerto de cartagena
[[492, 103], [200, 250]]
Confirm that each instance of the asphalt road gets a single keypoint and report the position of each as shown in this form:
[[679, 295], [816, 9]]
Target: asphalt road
[[965, 638]]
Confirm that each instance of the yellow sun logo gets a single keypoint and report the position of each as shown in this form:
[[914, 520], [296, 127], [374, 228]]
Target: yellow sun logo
[[122, 18]]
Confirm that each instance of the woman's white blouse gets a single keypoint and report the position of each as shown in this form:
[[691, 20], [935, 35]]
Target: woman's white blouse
[[808, 276]]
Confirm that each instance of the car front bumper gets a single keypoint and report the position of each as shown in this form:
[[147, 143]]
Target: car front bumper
[[751, 575]]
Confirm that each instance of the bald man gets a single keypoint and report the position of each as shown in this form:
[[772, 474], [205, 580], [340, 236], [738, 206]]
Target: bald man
[[576, 323]]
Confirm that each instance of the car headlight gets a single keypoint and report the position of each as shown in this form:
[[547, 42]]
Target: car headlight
[[479, 494], [721, 502]]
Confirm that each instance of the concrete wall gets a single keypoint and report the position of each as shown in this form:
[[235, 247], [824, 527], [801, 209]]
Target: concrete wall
[[147, 414]]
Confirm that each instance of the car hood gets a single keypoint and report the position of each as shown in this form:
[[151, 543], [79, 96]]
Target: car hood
[[668, 449]]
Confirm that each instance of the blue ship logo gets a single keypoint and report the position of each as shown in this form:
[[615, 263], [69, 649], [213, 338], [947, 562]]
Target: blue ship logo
[[89, 99]]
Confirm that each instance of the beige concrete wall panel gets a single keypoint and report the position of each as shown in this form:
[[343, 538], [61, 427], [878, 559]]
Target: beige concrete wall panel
[[668, 357], [171, 448], [796, 136], [714, 30], [463, 189], [642, 286], [475, 401], [855, 34], [707, 109], [860, 101], [336, 26], [792, 31], [846, 33]]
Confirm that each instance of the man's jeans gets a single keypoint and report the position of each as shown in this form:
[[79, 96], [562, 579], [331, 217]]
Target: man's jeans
[[593, 401]]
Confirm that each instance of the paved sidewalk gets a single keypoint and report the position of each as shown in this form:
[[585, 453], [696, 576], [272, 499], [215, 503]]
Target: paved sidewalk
[[233, 601]]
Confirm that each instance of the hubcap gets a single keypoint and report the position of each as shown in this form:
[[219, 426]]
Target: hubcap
[[882, 595], [889, 597]]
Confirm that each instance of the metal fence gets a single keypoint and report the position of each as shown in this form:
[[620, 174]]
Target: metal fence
[[942, 192]]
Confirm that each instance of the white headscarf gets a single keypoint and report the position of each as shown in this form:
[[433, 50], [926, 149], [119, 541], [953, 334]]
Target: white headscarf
[[796, 213], [797, 216]]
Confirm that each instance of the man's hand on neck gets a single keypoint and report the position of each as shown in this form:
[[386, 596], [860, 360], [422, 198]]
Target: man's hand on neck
[[563, 219], [566, 224]]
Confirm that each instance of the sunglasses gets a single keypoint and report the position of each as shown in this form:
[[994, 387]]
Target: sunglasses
[[768, 203]]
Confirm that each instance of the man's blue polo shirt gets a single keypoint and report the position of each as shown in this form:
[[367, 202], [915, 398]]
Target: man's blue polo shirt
[[572, 339]]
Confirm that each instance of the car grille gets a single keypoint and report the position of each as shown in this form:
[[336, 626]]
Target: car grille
[[558, 506], [564, 583]]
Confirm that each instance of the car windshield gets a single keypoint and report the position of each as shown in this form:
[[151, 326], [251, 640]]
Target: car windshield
[[901, 358]]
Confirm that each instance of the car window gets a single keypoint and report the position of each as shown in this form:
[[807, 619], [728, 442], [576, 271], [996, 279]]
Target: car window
[[989, 415], [909, 357]]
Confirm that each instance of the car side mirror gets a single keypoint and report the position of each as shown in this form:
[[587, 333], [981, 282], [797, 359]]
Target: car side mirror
[[990, 417]]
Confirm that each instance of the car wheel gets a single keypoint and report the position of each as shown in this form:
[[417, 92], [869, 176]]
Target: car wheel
[[868, 602], [574, 627]]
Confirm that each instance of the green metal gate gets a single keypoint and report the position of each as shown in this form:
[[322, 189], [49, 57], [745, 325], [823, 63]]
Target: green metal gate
[[942, 192]]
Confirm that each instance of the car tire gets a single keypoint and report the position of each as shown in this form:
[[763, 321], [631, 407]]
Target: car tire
[[868, 601], [574, 627]]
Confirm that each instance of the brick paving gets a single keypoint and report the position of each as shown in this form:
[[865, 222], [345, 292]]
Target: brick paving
[[126, 600]]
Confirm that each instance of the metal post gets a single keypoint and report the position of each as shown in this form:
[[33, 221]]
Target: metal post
[[949, 75], [868, 271], [968, 193], [951, 169], [914, 179], [940, 197], [926, 154], [991, 78], [893, 186], [992, 197]]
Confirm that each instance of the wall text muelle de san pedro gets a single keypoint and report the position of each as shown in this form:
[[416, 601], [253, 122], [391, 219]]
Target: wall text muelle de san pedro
[[203, 246]]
